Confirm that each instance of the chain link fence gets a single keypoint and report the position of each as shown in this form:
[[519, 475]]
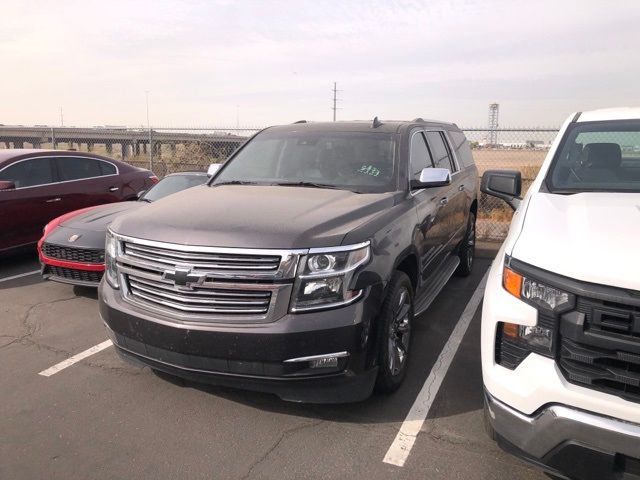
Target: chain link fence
[[169, 150]]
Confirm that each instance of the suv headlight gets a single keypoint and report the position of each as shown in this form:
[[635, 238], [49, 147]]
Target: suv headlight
[[515, 341], [110, 259], [324, 277]]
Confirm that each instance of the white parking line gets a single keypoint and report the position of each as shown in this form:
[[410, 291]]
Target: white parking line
[[75, 359], [6, 279], [401, 447]]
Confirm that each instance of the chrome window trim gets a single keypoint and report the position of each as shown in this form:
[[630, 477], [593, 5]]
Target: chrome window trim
[[62, 181]]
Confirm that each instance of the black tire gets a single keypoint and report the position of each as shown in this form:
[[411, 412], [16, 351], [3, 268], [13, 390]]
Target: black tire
[[396, 318], [467, 249]]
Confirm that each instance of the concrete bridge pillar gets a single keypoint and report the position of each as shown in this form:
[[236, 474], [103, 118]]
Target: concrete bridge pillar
[[36, 144], [144, 148], [124, 146], [173, 149], [109, 147], [89, 147], [18, 144], [157, 149]]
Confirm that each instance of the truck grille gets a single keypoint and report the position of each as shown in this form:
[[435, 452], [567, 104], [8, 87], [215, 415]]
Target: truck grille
[[211, 262], [609, 370], [202, 285], [199, 300], [73, 254]]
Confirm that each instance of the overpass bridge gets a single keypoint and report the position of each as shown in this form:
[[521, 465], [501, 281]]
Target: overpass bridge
[[130, 141]]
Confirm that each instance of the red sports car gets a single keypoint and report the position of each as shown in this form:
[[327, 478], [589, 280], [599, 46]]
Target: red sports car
[[37, 186]]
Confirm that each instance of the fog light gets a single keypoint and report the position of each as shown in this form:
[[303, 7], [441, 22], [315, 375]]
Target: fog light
[[327, 362]]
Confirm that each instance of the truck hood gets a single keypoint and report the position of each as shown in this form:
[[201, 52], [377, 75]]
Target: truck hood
[[254, 216], [591, 237]]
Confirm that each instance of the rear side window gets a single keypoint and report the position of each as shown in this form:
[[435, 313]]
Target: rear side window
[[29, 173], [419, 155], [108, 168], [441, 158], [462, 148], [73, 168]]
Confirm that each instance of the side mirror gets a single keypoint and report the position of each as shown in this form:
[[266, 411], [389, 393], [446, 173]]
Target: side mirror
[[213, 169], [503, 184], [432, 177], [7, 185]]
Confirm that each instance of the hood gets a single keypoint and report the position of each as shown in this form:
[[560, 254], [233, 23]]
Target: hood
[[98, 218], [586, 236], [254, 216], [87, 229]]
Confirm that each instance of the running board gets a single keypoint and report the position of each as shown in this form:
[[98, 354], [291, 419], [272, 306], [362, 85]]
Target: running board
[[437, 281]]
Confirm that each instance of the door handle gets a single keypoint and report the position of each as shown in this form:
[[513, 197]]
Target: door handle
[[461, 187], [444, 201], [52, 200], [113, 189]]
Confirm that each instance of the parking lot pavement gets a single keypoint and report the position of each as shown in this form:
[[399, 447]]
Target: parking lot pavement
[[102, 418]]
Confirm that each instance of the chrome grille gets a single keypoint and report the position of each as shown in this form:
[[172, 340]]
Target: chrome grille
[[199, 300], [202, 285], [209, 261]]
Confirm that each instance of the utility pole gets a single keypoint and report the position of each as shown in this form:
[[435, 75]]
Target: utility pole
[[335, 100], [149, 129]]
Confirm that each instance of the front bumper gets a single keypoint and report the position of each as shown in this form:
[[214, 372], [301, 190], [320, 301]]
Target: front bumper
[[254, 356], [567, 441]]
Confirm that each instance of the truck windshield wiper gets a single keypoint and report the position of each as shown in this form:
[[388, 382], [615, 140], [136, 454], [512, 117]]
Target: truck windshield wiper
[[234, 182], [306, 184]]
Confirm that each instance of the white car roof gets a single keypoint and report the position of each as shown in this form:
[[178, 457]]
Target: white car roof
[[622, 113]]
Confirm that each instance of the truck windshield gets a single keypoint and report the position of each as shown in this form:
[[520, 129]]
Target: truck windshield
[[597, 156], [356, 161]]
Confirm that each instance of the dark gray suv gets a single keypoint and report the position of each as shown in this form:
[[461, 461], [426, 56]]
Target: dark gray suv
[[299, 268]]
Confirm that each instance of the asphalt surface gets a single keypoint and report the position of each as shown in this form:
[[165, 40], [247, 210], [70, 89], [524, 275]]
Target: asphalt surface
[[104, 419]]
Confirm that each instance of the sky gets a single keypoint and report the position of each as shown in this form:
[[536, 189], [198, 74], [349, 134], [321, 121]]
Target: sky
[[257, 63]]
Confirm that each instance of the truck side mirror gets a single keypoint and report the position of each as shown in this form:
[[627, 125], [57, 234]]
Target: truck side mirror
[[213, 169], [432, 177], [503, 184], [7, 185]]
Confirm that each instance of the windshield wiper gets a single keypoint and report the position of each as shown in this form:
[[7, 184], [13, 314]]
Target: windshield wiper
[[234, 182], [144, 200], [307, 184]]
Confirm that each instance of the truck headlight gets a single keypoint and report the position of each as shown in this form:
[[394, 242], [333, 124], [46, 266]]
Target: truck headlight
[[324, 277], [514, 342], [110, 259]]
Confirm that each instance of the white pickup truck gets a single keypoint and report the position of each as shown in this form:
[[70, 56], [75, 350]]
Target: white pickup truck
[[561, 314]]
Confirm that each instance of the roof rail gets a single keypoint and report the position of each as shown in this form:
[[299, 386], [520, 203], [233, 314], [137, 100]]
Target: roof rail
[[419, 119], [299, 121], [376, 123]]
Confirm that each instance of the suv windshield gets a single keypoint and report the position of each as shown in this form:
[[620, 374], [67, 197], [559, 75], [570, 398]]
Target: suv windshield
[[172, 184], [361, 162], [597, 156]]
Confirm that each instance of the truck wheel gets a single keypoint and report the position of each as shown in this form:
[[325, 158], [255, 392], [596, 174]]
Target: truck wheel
[[396, 317], [467, 248]]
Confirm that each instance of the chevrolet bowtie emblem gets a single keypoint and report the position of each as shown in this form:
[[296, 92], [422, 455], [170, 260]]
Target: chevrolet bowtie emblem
[[184, 277]]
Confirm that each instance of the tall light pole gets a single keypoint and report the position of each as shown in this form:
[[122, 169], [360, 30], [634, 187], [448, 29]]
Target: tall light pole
[[149, 131]]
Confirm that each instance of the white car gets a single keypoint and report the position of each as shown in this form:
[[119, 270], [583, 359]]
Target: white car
[[561, 314]]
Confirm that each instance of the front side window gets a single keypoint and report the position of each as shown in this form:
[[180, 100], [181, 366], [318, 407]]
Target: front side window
[[356, 161], [29, 173], [597, 156], [74, 168], [440, 152], [419, 155]]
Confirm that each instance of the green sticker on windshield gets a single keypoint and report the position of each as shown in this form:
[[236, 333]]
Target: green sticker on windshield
[[369, 170]]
